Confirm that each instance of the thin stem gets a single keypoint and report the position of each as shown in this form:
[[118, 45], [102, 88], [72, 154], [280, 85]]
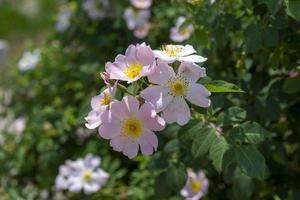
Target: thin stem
[[124, 89]]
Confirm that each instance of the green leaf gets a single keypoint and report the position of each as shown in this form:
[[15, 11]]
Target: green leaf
[[273, 5], [250, 161], [176, 177], [253, 38], [243, 185], [217, 151], [187, 133], [254, 133], [221, 86], [293, 8], [232, 115], [170, 181], [203, 141], [270, 36], [172, 146], [291, 85], [249, 132]]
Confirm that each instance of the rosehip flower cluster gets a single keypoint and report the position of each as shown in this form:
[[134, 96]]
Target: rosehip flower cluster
[[137, 17], [130, 124], [82, 174]]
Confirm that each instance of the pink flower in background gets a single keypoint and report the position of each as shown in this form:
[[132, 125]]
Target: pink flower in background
[[181, 32], [63, 19], [172, 90], [196, 186], [143, 31], [141, 4], [293, 73], [172, 53], [99, 104], [129, 126], [136, 18], [137, 62], [81, 174], [96, 9], [218, 129]]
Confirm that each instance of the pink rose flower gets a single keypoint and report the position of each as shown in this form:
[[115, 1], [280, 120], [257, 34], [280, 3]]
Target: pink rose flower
[[129, 126], [135, 18], [172, 89], [141, 4], [143, 31], [137, 62], [99, 104], [196, 186], [181, 32]]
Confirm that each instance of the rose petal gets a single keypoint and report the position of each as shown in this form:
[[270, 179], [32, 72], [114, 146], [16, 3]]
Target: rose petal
[[177, 111], [198, 95]]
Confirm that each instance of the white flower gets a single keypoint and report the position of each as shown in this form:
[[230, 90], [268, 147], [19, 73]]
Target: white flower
[[171, 53], [96, 9], [82, 174], [141, 4], [136, 18], [181, 32], [63, 19], [29, 60]]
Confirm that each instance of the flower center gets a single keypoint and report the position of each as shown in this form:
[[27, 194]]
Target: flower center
[[184, 31], [196, 185], [106, 99], [87, 175], [178, 87], [133, 70], [132, 128], [172, 50]]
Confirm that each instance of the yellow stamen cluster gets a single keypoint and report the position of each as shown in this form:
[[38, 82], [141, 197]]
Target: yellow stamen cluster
[[133, 70], [178, 87], [184, 31], [106, 99], [87, 175], [196, 185], [171, 50], [132, 128]]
